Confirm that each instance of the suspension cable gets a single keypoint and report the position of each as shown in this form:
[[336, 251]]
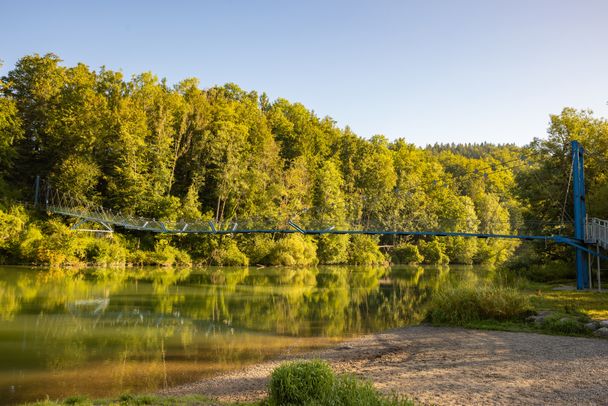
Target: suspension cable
[[566, 195]]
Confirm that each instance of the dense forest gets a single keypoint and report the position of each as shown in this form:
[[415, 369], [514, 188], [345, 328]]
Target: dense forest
[[146, 148]]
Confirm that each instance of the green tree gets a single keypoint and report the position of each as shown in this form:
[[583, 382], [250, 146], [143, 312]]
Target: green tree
[[545, 186], [34, 85], [11, 131]]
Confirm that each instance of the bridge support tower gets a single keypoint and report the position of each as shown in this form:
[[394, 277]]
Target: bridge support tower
[[580, 213]]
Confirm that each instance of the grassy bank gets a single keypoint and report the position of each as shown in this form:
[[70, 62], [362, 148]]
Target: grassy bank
[[510, 302], [131, 400], [591, 303]]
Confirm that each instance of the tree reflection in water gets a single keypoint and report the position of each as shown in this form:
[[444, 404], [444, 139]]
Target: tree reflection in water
[[107, 331]]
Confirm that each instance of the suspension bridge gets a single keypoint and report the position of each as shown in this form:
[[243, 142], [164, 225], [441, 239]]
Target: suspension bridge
[[589, 239]]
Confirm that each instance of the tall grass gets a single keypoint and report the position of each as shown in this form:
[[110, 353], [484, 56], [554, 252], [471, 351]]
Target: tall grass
[[473, 301], [298, 383], [130, 400], [314, 383]]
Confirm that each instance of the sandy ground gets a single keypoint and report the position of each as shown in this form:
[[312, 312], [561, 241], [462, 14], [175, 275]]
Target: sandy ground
[[451, 366]]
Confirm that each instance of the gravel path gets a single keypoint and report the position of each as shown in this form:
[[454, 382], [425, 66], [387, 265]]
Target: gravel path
[[451, 366]]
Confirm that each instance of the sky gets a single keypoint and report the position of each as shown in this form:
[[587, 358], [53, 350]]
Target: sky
[[427, 71]]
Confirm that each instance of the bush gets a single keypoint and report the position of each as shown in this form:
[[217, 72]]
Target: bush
[[57, 248], [257, 247], [470, 302], [405, 253], [300, 383], [332, 249], [314, 383], [527, 255], [51, 242], [295, 249], [460, 250], [12, 224], [433, 252], [363, 250], [105, 252], [495, 251], [76, 400], [28, 246], [566, 324], [552, 272], [138, 257], [166, 255], [350, 391], [229, 254]]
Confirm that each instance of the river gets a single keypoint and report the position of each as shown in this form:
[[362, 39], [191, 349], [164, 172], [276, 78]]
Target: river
[[103, 332]]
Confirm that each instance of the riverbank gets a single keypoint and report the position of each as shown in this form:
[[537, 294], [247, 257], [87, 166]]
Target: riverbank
[[448, 366]]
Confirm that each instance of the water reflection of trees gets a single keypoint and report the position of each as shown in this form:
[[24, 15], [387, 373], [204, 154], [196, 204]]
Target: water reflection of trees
[[149, 316], [294, 301]]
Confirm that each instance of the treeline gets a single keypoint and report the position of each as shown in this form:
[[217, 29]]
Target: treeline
[[143, 147]]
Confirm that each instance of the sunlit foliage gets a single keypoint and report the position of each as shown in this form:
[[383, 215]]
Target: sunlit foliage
[[147, 148]]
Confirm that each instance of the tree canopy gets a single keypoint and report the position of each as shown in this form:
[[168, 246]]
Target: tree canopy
[[170, 152]]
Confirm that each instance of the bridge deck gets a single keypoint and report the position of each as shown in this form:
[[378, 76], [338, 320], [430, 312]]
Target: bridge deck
[[108, 219]]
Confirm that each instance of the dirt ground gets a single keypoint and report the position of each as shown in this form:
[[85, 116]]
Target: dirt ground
[[451, 366]]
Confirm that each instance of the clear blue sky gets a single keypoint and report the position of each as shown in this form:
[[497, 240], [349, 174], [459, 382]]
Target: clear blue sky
[[428, 71]]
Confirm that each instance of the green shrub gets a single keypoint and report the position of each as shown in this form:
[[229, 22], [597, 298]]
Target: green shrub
[[52, 243], [137, 400], [485, 254], [229, 254], [470, 302], [350, 391], [332, 249], [57, 248], [181, 257], [138, 257], [257, 247], [552, 272], [433, 252], [363, 250], [200, 246], [28, 246], [314, 383], [300, 383], [106, 252], [460, 250], [12, 224], [525, 255], [353, 392], [78, 245], [61, 246], [406, 253], [77, 400], [166, 255], [566, 324], [295, 249]]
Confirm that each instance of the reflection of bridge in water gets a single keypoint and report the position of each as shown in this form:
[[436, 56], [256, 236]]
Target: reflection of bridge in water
[[589, 235], [98, 309]]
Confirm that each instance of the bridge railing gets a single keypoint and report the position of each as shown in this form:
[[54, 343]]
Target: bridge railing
[[597, 232], [314, 221]]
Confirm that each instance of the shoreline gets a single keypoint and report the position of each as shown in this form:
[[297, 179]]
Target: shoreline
[[446, 365]]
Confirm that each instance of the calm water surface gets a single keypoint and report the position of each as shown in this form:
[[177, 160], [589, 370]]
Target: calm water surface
[[105, 332]]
